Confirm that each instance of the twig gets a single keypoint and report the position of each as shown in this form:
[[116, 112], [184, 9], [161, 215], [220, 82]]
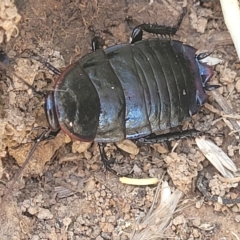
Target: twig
[[231, 14]]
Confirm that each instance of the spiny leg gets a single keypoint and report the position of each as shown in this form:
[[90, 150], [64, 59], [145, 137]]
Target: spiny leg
[[203, 187], [106, 162], [156, 29], [41, 60], [148, 140], [206, 72], [169, 136], [43, 136]]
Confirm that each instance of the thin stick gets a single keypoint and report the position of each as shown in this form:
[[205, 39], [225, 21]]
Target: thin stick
[[9, 190], [231, 14]]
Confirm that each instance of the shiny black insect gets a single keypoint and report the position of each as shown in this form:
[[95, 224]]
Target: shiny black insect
[[128, 90]]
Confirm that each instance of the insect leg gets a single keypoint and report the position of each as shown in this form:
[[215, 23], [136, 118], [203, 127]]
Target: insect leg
[[106, 162], [43, 136], [42, 60], [169, 136], [203, 187], [97, 43], [156, 29]]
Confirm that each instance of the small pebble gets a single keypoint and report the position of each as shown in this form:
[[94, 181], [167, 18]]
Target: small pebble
[[44, 214]]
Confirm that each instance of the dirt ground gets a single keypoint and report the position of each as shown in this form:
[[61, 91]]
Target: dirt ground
[[65, 193]]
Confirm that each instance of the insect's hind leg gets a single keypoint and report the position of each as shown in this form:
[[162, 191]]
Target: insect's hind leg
[[106, 162], [169, 136], [137, 32]]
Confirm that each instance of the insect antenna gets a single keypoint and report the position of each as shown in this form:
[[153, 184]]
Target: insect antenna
[[47, 133], [40, 138], [40, 59]]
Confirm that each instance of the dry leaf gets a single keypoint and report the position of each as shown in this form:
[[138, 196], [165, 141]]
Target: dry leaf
[[128, 146], [217, 157]]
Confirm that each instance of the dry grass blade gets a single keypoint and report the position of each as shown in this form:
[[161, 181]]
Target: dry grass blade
[[217, 157], [231, 13], [157, 221]]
